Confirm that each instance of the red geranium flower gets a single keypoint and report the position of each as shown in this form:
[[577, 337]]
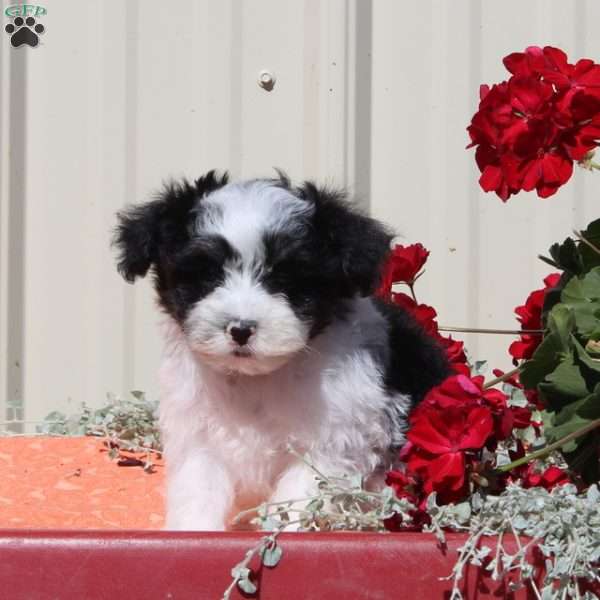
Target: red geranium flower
[[450, 427], [529, 130], [455, 391], [441, 438], [402, 266], [400, 483], [464, 391], [530, 317], [455, 351], [454, 421], [549, 478]]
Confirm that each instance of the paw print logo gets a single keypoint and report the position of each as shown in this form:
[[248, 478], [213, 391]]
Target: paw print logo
[[24, 31]]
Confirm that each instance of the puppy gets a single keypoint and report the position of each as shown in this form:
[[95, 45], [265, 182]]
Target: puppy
[[272, 338]]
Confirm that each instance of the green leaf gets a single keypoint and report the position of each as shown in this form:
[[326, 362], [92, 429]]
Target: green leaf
[[555, 344], [270, 556], [561, 320], [572, 423], [591, 363], [589, 367], [590, 258], [582, 294], [545, 359], [571, 418], [565, 384]]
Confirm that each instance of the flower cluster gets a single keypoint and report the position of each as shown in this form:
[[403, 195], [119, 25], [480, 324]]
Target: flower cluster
[[466, 435], [449, 431], [530, 317], [529, 130], [404, 266], [457, 429]]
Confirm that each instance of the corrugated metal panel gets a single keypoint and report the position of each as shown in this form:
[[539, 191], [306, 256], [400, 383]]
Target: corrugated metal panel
[[428, 62], [372, 95]]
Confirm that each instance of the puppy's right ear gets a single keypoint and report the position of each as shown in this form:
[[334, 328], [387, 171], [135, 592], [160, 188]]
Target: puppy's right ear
[[136, 238], [147, 229]]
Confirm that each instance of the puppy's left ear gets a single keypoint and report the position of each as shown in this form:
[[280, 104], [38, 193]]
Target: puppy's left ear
[[357, 242], [145, 230]]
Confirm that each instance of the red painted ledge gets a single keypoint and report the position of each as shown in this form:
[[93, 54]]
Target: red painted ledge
[[103, 565]]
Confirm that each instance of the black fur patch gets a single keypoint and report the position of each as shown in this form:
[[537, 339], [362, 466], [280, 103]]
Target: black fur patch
[[295, 269], [148, 231], [159, 234], [329, 258], [192, 274], [350, 243], [417, 363]]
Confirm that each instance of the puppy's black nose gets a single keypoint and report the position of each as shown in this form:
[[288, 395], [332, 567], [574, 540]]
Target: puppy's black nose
[[241, 331]]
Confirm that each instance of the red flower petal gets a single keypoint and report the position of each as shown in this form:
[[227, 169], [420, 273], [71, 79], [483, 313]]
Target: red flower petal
[[447, 472]]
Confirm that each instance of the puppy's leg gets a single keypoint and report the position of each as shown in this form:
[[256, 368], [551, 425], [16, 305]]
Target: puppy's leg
[[296, 483], [199, 493]]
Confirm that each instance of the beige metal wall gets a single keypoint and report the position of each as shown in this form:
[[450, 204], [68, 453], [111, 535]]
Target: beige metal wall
[[371, 94]]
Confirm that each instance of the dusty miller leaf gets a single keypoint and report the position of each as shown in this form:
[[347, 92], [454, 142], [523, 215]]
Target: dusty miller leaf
[[271, 555]]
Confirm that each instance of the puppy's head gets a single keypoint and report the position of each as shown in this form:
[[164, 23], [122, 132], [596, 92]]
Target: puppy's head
[[251, 271]]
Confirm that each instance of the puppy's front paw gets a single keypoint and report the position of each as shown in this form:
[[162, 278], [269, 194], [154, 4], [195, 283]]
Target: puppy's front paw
[[187, 522], [195, 516]]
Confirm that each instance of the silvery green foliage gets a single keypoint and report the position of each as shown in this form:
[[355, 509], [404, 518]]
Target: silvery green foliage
[[129, 424], [341, 503], [564, 525]]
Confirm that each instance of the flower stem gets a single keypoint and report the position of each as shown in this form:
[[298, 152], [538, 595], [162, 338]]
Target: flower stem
[[267, 505], [494, 331], [502, 378], [293, 452], [543, 452], [412, 292]]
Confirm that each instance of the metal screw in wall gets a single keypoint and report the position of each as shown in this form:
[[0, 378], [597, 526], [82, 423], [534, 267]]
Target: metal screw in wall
[[266, 80]]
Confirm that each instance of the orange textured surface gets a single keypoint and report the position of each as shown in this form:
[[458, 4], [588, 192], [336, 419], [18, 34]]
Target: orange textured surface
[[71, 483]]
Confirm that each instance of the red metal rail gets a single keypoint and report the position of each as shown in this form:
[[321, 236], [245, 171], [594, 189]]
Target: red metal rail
[[94, 565]]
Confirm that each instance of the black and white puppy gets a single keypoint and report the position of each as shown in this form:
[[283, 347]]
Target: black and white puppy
[[272, 338]]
